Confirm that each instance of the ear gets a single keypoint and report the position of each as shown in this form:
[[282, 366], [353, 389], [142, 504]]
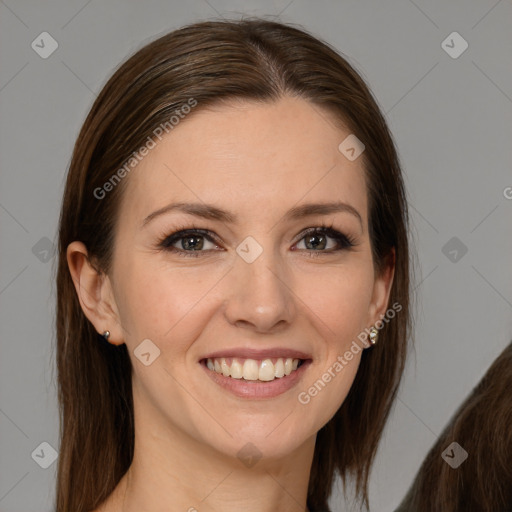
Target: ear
[[94, 292], [382, 290]]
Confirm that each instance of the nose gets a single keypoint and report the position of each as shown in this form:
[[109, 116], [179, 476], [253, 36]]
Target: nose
[[261, 295]]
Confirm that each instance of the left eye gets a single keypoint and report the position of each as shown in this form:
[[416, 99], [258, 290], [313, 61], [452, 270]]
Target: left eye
[[317, 239]]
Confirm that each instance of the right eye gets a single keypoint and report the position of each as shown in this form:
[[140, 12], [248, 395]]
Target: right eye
[[189, 241]]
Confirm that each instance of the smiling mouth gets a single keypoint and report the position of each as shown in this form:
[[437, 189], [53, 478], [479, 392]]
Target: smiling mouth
[[255, 370]]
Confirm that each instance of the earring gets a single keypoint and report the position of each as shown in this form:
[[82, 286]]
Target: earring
[[106, 334], [374, 335]]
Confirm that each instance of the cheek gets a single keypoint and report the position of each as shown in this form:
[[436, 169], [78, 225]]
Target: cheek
[[339, 297], [163, 302], [326, 393]]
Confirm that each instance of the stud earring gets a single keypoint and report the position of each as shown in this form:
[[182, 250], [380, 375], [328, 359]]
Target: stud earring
[[374, 335], [106, 334]]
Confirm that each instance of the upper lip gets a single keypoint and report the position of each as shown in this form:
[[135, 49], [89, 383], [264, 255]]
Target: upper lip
[[258, 354]]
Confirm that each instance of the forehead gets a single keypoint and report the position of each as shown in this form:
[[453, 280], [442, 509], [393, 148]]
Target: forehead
[[246, 156]]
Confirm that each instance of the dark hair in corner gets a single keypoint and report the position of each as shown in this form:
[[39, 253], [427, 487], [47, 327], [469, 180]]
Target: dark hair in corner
[[482, 427], [251, 59]]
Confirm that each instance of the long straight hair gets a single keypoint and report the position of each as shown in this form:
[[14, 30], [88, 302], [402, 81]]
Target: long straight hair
[[212, 62]]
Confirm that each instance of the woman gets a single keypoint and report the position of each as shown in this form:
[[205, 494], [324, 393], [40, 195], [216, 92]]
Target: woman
[[233, 242]]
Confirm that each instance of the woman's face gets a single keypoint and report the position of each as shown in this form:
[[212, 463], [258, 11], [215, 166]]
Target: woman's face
[[249, 282]]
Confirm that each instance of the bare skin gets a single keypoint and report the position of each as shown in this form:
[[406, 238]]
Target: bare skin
[[256, 161]]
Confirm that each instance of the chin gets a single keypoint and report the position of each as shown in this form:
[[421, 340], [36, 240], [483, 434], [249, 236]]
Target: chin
[[269, 438]]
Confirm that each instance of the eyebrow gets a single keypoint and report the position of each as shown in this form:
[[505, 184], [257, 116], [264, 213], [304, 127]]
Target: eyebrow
[[209, 211]]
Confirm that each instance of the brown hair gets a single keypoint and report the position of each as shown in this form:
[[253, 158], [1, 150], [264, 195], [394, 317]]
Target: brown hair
[[251, 59], [481, 426]]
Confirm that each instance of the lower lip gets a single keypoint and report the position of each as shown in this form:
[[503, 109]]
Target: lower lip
[[254, 389]]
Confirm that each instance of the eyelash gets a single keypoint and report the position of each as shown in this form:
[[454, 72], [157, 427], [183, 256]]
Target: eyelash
[[345, 242]]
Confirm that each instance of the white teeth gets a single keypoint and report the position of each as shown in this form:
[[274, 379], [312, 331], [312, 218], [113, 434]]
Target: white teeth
[[279, 368], [252, 369], [236, 370], [288, 364], [225, 367], [267, 371]]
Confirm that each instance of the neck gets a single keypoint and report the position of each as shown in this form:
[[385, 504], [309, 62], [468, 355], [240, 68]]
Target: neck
[[176, 472]]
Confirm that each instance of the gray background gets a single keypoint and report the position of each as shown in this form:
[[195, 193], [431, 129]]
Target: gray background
[[451, 119]]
